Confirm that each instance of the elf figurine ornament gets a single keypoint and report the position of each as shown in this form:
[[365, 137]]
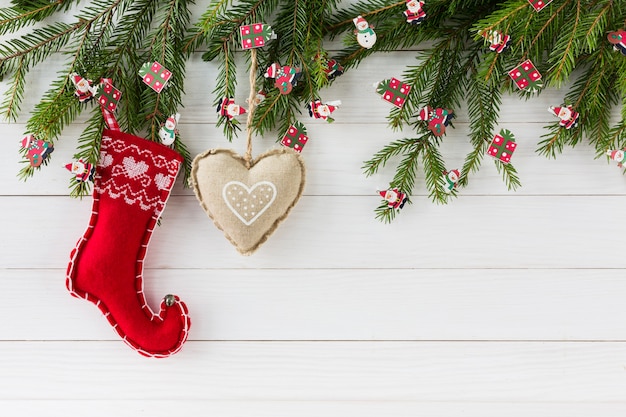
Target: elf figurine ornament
[[37, 150], [285, 77], [437, 119], [618, 40], [365, 35]]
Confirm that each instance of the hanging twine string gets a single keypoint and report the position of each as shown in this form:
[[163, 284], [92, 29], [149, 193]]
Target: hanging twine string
[[252, 104]]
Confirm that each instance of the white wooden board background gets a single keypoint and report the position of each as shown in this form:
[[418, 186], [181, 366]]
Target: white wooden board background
[[499, 304]]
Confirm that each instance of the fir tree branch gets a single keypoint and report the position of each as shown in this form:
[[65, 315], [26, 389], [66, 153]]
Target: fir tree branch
[[616, 138], [11, 105], [381, 6], [15, 18], [433, 170], [220, 38], [29, 55], [503, 15], [597, 25], [54, 37], [483, 103], [205, 25], [509, 175], [88, 150], [166, 47], [402, 146], [549, 24], [565, 54]]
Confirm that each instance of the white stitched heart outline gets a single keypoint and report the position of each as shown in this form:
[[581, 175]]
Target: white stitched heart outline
[[248, 203]]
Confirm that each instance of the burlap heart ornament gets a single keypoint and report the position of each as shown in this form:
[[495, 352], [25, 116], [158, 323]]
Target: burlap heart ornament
[[248, 204]]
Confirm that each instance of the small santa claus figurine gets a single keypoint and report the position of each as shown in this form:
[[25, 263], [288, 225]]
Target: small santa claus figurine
[[319, 110], [395, 198], [414, 12], [84, 90], [451, 180], [229, 109], [365, 35], [569, 118], [84, 171], [168, 130], [498, 41], [617, 155]]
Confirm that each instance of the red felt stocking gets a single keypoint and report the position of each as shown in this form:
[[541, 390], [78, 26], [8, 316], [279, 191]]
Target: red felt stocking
[[132, 183]]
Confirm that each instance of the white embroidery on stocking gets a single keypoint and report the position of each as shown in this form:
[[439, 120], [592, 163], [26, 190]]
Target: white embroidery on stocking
[[249, 203], [106, 160], [132, 178], [134, 168], [162, 181]]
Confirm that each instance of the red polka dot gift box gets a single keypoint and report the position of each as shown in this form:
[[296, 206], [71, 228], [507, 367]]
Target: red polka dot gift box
[[539, 5], [502, 146], [255, 35], [295, 137], [155, 75], [526, 76], [394, 91]]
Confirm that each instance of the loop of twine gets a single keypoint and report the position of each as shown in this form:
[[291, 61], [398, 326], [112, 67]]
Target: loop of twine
[[252, 104]]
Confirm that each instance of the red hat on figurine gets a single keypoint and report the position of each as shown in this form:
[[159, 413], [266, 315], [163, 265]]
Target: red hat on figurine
[[27, 140], [358, 20], [271, 71], [238, 109], [424, 113]]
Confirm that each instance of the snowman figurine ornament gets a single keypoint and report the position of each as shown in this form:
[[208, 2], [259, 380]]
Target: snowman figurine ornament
[[168, 130], [365, 35]]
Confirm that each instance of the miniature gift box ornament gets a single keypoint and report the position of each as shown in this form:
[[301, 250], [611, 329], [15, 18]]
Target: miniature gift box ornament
[[155, 75], [502, 146], [393, 91]]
